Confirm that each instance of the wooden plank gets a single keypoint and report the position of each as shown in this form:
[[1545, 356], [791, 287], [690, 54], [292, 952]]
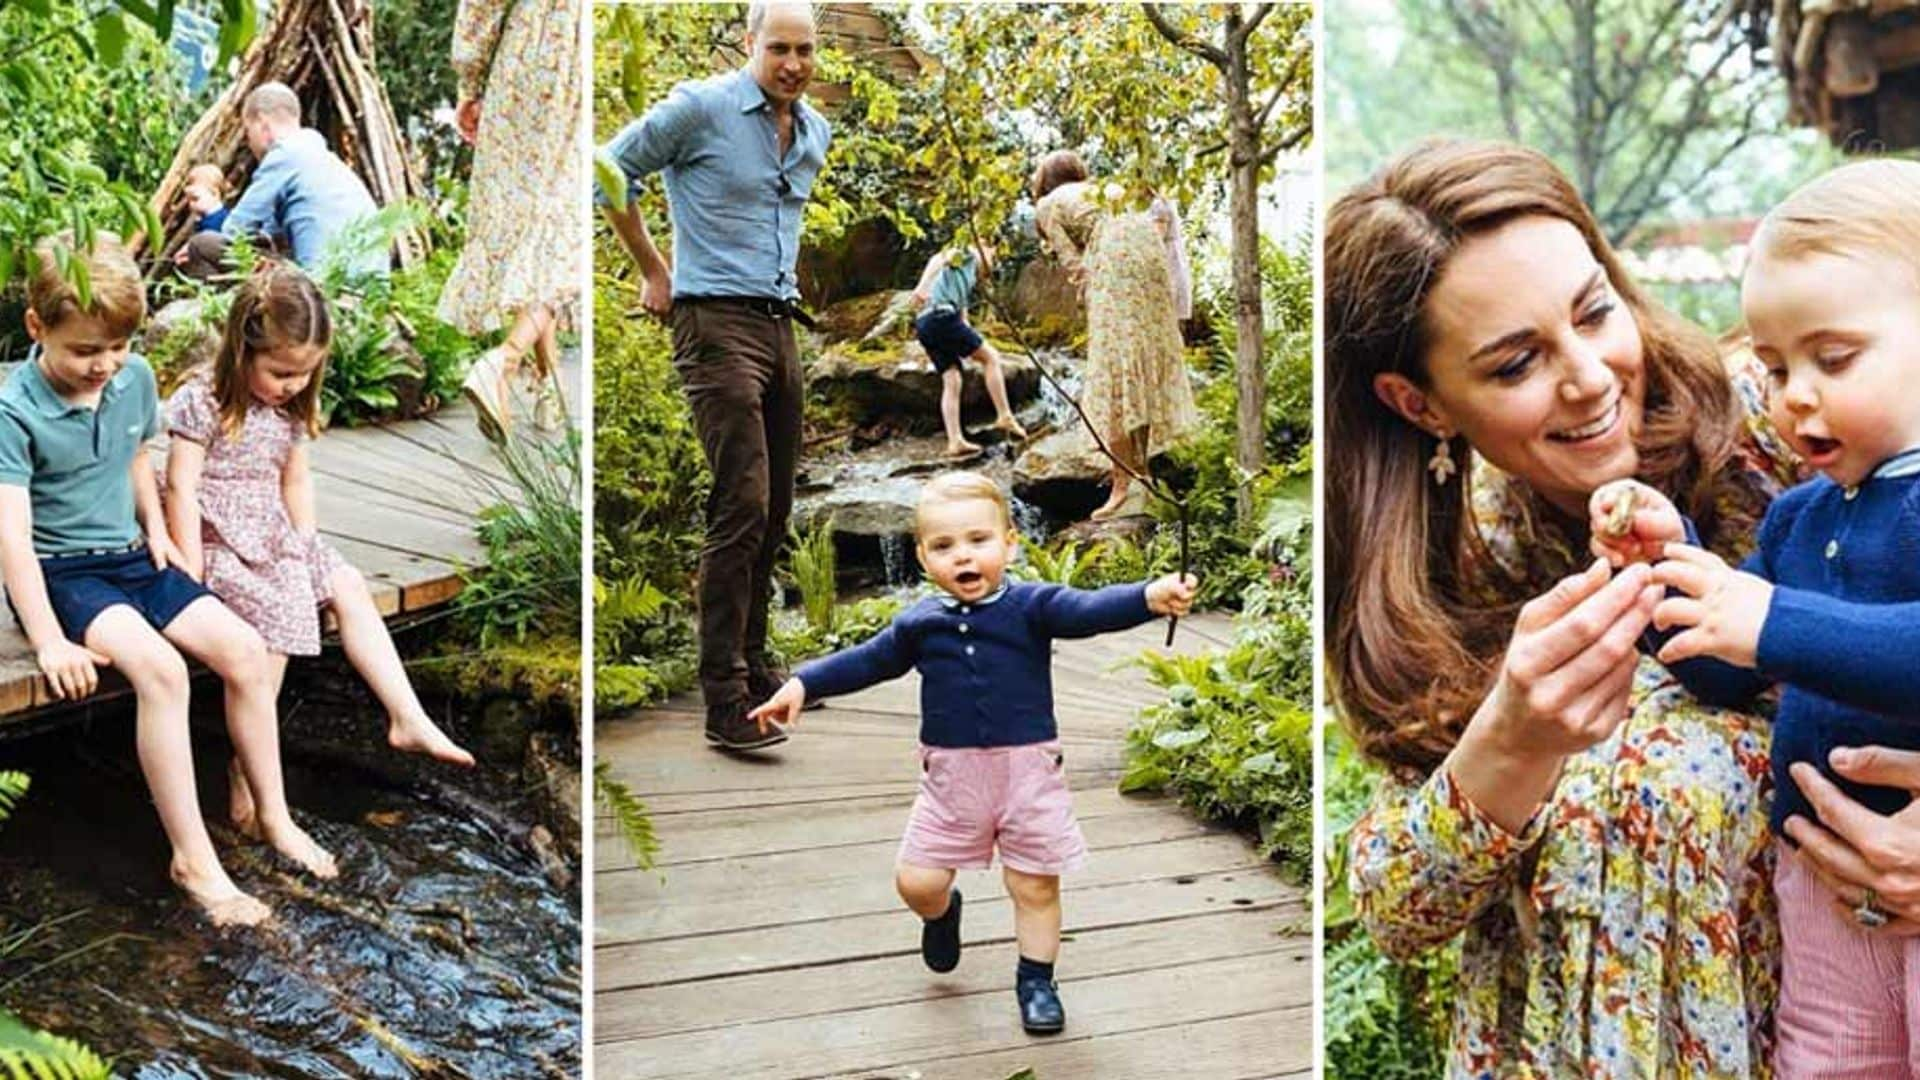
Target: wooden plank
[[721, 897], [957, 1026], [1266, 1045], [756, 997], [628, 963]]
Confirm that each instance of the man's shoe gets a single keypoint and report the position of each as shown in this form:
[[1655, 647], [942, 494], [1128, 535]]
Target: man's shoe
[[1040, 1010], [729, 728], [940, 938]]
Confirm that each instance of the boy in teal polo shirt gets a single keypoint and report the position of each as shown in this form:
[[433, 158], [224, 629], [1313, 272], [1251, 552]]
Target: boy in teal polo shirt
[[88, 563]]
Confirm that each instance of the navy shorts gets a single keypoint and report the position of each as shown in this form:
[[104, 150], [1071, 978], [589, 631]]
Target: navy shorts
[[80, 587], [944, 333]]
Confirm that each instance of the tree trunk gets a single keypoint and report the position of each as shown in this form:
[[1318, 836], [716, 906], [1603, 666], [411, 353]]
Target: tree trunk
[[1243, 146], [323, 50]]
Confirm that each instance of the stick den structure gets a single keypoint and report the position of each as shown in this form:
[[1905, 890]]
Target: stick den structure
[[1852, 67], [323, 50]]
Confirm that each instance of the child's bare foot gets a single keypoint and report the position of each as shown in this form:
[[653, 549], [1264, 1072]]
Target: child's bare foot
[[961, 448], [1011, 426], [292, 841], [218, 896], [419, 735], [240, 810]]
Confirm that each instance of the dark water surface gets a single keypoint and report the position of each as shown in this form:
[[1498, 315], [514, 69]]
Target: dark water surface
[[441, 950]]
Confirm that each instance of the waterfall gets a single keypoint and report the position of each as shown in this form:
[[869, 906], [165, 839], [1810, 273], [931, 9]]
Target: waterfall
[[896, 560]]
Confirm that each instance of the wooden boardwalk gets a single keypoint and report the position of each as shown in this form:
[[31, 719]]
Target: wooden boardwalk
[[398, 501], [769, 942]]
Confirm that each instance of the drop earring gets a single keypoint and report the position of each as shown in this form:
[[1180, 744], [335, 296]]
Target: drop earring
[[1441, 463]]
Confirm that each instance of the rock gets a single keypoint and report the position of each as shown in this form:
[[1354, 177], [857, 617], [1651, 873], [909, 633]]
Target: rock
[[851, 320], [1063, 473], [898, 383], [1135, 529], [868, 257], [1047, 304], [177, 339]]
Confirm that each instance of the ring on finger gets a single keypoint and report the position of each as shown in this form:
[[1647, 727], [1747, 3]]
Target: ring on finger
[[1869, 913]]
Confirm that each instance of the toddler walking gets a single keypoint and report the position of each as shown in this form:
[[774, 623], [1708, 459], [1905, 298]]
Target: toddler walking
[[991, 772], [240, 503], [1825, 605], [946, 291], [93, 577]]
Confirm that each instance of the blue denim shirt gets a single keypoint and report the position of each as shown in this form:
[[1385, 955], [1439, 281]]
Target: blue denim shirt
[[305, 195], [736, 204]]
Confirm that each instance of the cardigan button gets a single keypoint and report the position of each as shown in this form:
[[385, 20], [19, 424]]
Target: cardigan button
[[963, 628], [965, 610], [1833, 548], [1850, 491], [969, 650]]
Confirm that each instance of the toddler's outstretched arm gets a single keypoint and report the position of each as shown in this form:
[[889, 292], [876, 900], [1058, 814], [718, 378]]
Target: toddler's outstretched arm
[[185, 459], [783, 708]]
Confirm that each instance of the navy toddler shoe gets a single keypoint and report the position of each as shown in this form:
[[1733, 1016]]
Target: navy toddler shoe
[[940, 938], [1040, 1010]]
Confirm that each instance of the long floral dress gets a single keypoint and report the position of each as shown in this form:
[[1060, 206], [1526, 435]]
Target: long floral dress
[[524, 236], [257, 563], [1656, 949], [1136, 372]]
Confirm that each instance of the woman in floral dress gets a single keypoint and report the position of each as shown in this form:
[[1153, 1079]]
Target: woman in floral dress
[[520, 96], [1597, 838], [1136, 387]]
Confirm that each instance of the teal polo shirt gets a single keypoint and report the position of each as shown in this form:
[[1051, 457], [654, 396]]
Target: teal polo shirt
[[75, 460]]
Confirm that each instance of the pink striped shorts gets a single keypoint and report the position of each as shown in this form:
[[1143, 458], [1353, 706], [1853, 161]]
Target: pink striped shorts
[[975, 799], [1849, 997]]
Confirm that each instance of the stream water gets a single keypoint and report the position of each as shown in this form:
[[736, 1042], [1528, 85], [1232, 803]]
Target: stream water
[[443, 949]]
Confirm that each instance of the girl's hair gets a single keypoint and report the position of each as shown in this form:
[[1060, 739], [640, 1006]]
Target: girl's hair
[[279, 307], [1059, 167], [1867, 207], [1411, 650]]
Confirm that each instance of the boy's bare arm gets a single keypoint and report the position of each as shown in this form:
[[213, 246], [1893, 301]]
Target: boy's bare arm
[[146, 507], [923, 291], [185, 458], [69, 667]]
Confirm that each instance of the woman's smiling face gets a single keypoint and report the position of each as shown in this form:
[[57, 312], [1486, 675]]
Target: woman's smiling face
[[1534, 359]]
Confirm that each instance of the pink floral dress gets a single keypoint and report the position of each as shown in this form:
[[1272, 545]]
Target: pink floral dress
[[257, 563]]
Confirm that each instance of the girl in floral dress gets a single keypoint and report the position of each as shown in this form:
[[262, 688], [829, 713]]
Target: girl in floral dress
[[240, 501]]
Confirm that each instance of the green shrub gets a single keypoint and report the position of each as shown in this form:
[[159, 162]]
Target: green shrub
[[796, 639], [629, 815], [810, 566], [531, 582]]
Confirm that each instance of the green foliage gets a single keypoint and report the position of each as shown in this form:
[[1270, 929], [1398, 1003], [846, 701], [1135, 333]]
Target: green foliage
[[811, 567], [89, 131], [629, 814], [531, 582], [850, 624], [13, 788], [1233, 739], [26, 1054], [1064, 563], [1383, 1018], [414, 40], [642, 655]]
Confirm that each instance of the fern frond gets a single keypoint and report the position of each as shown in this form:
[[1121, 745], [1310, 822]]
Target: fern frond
[[13, 788], [26, 1054], [628, 812]]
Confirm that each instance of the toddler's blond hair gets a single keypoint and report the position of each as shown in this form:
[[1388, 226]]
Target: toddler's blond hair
[[119, 296], [962, 486], [210, 177], [1867, 207]]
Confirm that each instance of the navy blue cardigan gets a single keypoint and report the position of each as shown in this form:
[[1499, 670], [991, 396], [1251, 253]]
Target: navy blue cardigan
[[986, 668], [1842, 633]]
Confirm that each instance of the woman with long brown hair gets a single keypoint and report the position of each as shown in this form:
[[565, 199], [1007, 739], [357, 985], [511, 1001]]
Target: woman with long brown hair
[[1598, 837]]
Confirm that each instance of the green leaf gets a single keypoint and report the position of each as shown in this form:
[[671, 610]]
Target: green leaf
[[1180, 738], [144, 11], [611, 181], [110, 39], [42, 8]]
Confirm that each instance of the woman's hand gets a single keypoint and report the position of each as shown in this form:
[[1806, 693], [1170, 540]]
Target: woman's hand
[[1632, 522], [1853, 849], [1723, 610], [467, 119], [1562, 687]]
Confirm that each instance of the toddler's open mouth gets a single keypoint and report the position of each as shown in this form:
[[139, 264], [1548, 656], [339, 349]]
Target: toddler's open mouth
[[967, 577]]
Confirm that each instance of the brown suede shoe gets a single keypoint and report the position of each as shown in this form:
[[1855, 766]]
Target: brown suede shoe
[[729, 729]]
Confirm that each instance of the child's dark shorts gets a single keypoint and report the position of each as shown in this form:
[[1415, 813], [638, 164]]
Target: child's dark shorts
[[944, 333], [80, 587]]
